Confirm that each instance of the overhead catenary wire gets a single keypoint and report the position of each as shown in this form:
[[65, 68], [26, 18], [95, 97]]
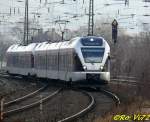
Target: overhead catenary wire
[[15, 8]]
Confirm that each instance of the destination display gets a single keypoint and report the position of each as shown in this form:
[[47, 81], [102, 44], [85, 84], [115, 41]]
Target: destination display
[[92, 41]]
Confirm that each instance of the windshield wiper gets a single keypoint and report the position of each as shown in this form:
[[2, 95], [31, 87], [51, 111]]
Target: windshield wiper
[[90, 60]]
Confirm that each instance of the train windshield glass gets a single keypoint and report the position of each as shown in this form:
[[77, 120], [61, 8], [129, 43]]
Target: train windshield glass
[[93, 55]]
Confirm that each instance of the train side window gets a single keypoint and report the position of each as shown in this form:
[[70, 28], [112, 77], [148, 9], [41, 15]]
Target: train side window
[[64, 61], [45, 61], [55, 61], [39, 61], [42, 63], [32, 61], [52, 61], [49, 61], [36, 61]]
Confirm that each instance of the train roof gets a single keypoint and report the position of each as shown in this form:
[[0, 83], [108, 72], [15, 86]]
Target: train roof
[[56, 45], [21, 48], [52, 46]]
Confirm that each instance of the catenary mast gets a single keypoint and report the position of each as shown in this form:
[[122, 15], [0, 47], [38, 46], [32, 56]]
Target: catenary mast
[[91, 18], [26, 24]]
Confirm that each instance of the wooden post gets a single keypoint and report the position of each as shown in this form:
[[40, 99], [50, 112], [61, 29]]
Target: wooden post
[[41, 106], [2, 109]]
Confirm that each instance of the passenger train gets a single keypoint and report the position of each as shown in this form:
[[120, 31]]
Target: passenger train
[[80, 59]]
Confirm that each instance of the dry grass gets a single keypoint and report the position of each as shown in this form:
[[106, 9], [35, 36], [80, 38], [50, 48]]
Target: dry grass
[[128, 108], [133, 101]]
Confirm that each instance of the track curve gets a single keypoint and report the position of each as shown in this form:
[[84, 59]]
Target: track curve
[[91, 105], [82, 112], [26, 96], [112, 95], [6, 113]]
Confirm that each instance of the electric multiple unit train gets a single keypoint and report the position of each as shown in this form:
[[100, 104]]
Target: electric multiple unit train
[[80, 59]]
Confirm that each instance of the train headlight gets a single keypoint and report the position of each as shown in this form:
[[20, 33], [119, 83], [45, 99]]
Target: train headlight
[[101, 68], [85, 67]]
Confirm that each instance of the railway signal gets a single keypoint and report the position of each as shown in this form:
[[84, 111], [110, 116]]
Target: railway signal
[[114, 30], [126, 3]]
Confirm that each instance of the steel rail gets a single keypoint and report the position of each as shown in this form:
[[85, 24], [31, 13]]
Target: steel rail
[[129, 81], [124, 76], [90, 106], [31, 105], [82, 112], [25, 97], [112, 95]]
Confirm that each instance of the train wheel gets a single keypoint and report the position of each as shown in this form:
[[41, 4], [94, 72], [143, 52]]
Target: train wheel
[[7, 72], [29, 75], [24, 77], [70, 82]]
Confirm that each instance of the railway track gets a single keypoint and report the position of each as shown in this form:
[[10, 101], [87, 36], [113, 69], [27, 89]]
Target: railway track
[[26, 88], [83, 111], [3, 74], [112, 95], [125, 79], [31, 104], [129, 80], [29, 100], [88, 108], [25, 96], [91, 104]]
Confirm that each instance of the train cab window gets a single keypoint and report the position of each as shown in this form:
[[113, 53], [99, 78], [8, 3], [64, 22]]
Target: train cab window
[[93, 55]]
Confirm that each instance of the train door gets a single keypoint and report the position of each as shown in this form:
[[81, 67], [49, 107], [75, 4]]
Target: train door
[[77, 63]]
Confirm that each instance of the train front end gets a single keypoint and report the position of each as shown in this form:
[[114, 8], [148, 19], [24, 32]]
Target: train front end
[[93, 53]]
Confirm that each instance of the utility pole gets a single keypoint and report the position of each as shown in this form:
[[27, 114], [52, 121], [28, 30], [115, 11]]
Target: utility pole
[[24, 33], [27, 5], [26, 24], [91, 18]]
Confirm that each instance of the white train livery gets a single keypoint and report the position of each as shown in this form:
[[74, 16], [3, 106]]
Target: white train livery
[[80, 59]]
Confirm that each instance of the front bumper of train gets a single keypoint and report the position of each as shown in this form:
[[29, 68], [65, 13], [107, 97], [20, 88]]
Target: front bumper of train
[[95, 76]]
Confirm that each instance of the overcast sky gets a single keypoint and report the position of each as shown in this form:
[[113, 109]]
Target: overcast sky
[[46, 12]]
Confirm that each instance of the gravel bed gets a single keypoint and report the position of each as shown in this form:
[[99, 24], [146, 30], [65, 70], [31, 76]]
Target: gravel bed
[[15, 88], [103, 105], [32, 99]]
